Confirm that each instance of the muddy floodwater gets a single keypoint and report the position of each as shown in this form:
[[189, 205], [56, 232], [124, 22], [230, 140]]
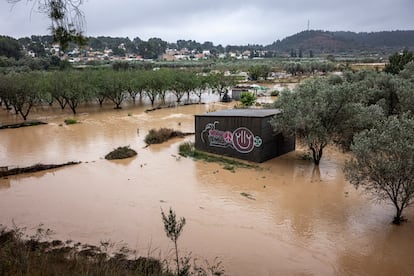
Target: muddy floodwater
[[297, 221]]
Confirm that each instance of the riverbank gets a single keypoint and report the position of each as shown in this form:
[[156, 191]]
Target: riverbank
[[37, 256]]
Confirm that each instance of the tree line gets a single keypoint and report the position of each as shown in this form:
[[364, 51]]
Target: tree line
[[22, 91]]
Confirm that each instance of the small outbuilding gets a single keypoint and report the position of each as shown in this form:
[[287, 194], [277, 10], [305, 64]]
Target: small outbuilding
[[237, 91], [241, 133]]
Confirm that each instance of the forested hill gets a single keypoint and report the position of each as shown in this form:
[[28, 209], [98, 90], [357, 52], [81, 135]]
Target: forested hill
[[319, 42]]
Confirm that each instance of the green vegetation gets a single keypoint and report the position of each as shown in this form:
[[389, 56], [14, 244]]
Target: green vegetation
[[315, 43], [173, 229], [10, 47], [274, 93], [66, 20], [257, 72], [367, 112], [187, 149], [315, 113], [332, 110], [398, 61], [20, 255], [71, 121], [247, 99], [121, 153], [383, 162], [23, 91], [163, 134]]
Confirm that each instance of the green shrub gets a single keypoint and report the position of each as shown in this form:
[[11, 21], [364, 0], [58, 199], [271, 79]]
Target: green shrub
[[121, 153], [274, 93], [247, 98], [161, 135], [71, 121], [187, 149]]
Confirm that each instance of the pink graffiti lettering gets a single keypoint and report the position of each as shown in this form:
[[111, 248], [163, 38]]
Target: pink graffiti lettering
[[243, 140]]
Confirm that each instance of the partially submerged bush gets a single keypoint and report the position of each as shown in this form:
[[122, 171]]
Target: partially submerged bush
[[274, 93], [71, 121], [186, 149], [163, 134], [121, 153]]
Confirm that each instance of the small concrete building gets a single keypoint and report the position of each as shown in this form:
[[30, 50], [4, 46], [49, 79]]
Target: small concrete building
[[241, 133]]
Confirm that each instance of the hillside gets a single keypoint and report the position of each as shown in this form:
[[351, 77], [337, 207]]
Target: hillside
[[325, 42]]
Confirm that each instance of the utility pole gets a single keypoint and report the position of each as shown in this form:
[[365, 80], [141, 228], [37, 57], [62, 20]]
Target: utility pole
[[308, 24]]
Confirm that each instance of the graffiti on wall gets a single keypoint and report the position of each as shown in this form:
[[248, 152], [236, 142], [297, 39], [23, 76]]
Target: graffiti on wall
[[242, 139]]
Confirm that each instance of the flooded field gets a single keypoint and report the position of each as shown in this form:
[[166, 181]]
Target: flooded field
[[298, 221]]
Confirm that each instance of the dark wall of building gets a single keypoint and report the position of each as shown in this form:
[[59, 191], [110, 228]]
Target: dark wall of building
[[248, 138], [236, 93]]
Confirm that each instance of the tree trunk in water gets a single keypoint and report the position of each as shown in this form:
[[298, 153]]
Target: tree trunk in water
[[317, 154], [176, 257], [398, 217]]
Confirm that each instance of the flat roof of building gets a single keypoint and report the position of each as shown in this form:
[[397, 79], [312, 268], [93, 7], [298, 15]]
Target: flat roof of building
[[249, 112]]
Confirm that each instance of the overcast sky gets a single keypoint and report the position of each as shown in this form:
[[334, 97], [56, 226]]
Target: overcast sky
[[234, 22]]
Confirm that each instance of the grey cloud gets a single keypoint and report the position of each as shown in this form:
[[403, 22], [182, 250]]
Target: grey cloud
[[222, 22]]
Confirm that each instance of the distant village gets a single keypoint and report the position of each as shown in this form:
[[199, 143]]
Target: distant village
[[90, 54]]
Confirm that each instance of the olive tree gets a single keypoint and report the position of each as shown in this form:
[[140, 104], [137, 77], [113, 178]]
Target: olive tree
[[77, 90], [24, 92], [312, 113], [114, 87], [383, 162], [318, 112], [221, 83], [56, 85], [201, 84], [5, 90], [397, 61], [156, 85], [177, 85]]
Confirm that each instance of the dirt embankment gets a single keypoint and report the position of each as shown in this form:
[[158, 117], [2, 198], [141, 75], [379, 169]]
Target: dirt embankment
[[4, 171]]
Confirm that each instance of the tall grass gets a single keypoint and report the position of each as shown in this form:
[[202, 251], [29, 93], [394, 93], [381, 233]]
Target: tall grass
[[34, 256], [187, 149]]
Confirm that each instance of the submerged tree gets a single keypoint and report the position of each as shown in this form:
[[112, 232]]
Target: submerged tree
[[383, 162], [312, 113], [24, 92], [322, 111], [173, 229]]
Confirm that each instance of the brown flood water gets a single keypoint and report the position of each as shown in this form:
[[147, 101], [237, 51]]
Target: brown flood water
[[300, 221]]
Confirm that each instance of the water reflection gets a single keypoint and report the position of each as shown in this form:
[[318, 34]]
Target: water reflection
[[4, 183]]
